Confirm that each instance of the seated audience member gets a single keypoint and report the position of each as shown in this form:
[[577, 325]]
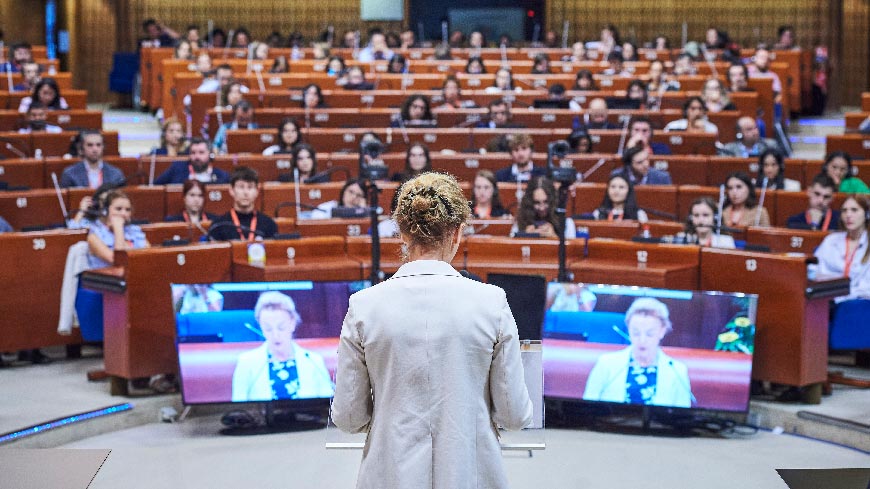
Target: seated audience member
[[636, 168], [580, 141], [785, 39], [760, 68], [356, 79], [22, 53], [522, 168], [157, 35], [47, 93], [584, 81], [503, 82], [241, 38], [243, 221], [715, 96], [537, 212], [684, 65], [476, 40], [335, 66], [92, 171], [305, 161], [741, 203], [485, 200], [417, 162], [312, 97], [260, 50], [596, 116], [578, 53], [640, 131], [397, 64], [659, 80], [203, 64], [541, 64], [194, 214], [819, 215], [629, 51], [113, 231], [31, 73], [701, 225], [475, 66], [172, 141], [198, 166], [637, 91], [619, 202], [771, 167], [498, 116], [243, 118], [217, 38], [415, 112], [349, 40], [641, 373], [452, 95], [616, 67], [183, 51], [376, 49], [193, 298], [661, 43], [352, 195], [694, 118], [216, 81], [231, 94], [279, 368], [847, 253], [408, 39], [749, 141], [838, 166], [280, 65], [288, 137], [738, 78], [191, 35], [35, 120], [5, 227]]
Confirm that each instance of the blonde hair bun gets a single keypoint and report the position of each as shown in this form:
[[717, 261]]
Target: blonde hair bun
[[430, 207]]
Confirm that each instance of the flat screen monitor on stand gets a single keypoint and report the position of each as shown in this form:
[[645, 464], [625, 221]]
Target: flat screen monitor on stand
[[266, 345]]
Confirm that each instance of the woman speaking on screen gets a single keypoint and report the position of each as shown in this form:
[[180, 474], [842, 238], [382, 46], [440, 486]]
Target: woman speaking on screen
[[429, 361], [641, 373]]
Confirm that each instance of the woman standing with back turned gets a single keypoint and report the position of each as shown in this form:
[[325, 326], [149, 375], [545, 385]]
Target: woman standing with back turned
[[441, 353]]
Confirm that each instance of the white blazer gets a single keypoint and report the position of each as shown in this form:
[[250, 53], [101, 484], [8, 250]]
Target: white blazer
[[607, 380], [251, 376], [428, 364]]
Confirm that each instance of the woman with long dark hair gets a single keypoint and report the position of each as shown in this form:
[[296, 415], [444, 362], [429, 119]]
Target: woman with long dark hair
[[741, 203], [537, 213], [619, 202]]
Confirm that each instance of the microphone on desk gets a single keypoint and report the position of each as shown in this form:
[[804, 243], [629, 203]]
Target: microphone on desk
[[593, 169], [15, 150], [761, 201], [620, 332], [59, 197], [250, 327], [329, 171]]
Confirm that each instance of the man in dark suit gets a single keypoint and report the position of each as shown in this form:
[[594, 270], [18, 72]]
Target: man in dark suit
[[523, 168], [92, 171], [637, 169], [819, 215], [198, 167]]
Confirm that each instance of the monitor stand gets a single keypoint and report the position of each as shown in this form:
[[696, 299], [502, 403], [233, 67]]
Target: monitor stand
[[622, 419], [281, 419]]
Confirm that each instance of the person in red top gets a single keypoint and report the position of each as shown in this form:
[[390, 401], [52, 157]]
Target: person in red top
[[243, 221]]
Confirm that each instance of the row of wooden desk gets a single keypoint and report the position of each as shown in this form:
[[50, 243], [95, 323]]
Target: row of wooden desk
[[13, 144], [35, 208], [684, 169], [791, 337], [72, 120], [76, 99]]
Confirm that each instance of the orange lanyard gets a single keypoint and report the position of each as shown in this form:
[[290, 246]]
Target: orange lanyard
[[612, 216], [825, 223], [99, 179], [192, 175], [253, 227], [848, 257]]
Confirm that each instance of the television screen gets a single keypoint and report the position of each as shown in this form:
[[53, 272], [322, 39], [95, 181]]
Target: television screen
[[633, 345], [256, 342]]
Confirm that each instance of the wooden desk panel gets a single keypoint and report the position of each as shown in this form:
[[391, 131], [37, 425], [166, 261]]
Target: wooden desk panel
[[624, 230], [22, 172], [333, 227], [128, 166], [485, 255], [323, 258], [857, 145], [718, 169], [781, 240], [791, 339], [58, 144], [791, 203], [149, 203], [139, 321], [684, 170], [31, 208], [217, 200], [643, 264], [311, 195], [359, 248], [31, 271]]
